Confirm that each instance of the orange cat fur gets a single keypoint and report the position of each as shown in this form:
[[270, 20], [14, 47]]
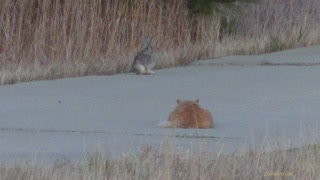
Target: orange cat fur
[[188, 114]]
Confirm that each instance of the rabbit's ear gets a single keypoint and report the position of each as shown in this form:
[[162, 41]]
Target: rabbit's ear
[[144, 42], [150, 43]]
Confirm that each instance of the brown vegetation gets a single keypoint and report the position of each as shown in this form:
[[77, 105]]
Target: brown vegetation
[[172, 163], [44, 39]]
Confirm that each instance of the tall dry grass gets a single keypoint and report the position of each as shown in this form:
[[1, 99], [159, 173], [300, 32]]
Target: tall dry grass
[[294, 23], [45, 39], [170, 163]]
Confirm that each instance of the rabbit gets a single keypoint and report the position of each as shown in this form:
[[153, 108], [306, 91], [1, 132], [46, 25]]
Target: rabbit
[[145, 61]]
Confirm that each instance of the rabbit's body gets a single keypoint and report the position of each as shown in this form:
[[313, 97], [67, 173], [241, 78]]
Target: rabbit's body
[[144, 61]]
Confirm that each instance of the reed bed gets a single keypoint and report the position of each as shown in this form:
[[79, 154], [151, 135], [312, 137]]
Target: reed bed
[[45, 39], [170, 162]]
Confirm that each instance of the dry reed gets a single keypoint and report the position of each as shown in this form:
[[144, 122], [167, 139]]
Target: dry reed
[[172, 163], [43, 39]]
